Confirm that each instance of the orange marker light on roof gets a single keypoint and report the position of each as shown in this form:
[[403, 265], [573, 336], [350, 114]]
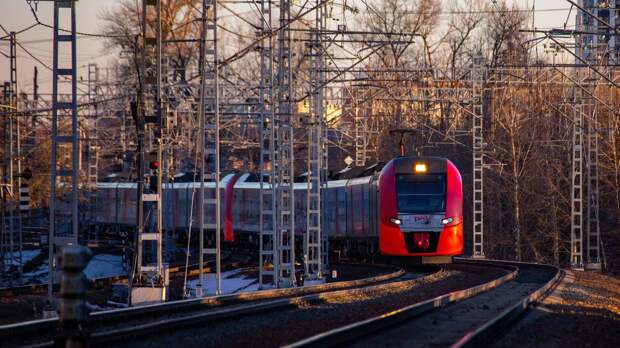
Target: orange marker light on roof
[[420, 168]]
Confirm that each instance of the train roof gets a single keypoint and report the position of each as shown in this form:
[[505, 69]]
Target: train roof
[[251, 180], [405, 164], [358, 172]]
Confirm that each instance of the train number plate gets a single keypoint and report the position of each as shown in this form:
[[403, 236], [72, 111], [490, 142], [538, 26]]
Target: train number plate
[[416, 219]]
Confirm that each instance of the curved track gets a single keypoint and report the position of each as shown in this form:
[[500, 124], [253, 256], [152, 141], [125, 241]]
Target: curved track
[[111, 326], [465, 318], [310, 314]]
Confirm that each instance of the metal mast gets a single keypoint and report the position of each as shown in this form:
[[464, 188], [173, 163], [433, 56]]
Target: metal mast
[[576, 250], [11, 222], [324, 179], [593, 231], [18, 153], [285, 231], [316, 176], [92, 149], [593, 49], [4, 252], [359, 126], [593, 18], [3, 245], [16, 156], [63, 228], [209, 140], [478, 156], [152, 274], [267, 161]]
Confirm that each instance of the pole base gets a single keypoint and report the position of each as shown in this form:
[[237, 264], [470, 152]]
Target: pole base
[[143, 295], [577, 267]]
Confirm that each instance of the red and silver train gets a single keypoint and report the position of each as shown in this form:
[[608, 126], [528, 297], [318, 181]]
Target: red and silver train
[[410, 206]]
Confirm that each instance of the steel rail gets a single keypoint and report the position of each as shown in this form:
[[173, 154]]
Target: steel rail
[[115, 335], [36, 327], [492, 328], [349, 333]]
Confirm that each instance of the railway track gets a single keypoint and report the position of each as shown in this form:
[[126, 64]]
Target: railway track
[[113, 326], [500, 292], [294, 317], [467, 318]]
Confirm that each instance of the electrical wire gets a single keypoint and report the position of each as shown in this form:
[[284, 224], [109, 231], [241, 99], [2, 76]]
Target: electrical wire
[[20, 31]]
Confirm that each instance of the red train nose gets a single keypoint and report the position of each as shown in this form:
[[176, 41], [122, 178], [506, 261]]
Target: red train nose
[[422, 240]]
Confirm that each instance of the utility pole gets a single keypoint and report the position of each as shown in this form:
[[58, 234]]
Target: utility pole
[[11, 243], [11, 218], [5, 249], [593, 49], [359, 128], [209, 140], [92, 150], [268, 162], [593, 231], [35, 95], [313, 240], [285, 155], [478, 156], [150, 279], [16, 155], [63, 227], [600, 48], [576, 249]]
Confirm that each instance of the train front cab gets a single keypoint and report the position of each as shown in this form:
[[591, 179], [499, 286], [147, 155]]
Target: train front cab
[[420, 209]]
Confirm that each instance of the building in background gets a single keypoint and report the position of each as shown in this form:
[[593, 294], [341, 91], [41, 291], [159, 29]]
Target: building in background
[[598, 44]]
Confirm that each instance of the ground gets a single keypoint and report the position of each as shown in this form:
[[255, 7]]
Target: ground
[[584, 311]]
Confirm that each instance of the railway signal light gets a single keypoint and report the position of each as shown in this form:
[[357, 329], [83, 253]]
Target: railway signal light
[[154, 165], [27, 174]]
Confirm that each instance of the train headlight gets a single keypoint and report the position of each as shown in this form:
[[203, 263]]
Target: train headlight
[[420, 168], [447, 220], [396, 221]]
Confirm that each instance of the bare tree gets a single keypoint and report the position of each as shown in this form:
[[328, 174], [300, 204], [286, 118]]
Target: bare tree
[[503, 36], [180, 25], [464, 21]]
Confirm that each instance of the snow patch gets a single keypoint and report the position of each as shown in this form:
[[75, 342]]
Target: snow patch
[[27, 255], [235, 281], [100, 266], [232, 282], [105, 265]]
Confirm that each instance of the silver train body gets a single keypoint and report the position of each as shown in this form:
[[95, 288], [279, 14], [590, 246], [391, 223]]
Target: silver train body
[[350, 209]]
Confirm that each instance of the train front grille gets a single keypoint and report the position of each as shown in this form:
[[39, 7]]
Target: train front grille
[[421, 242]]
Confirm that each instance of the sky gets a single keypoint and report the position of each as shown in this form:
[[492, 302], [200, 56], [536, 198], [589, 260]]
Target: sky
[[16, 15]]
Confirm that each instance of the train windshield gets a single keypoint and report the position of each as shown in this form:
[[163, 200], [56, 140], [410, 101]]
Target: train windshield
[[421, 194]]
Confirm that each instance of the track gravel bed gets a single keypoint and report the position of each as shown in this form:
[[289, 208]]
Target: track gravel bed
[[281, 327], [347, 272], [583, 311], [444, 327]]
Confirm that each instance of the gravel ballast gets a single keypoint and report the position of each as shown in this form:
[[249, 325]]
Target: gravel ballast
[[281, 327], [583, 311]]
